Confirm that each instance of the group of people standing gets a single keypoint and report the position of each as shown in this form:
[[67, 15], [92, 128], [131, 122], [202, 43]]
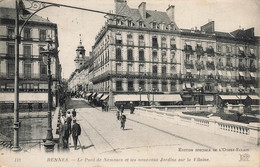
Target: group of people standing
[[69, 127]]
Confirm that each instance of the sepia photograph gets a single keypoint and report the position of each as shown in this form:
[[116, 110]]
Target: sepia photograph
[[129, 83]]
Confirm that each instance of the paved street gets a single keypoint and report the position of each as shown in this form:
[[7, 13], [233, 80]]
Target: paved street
[[101, 134]]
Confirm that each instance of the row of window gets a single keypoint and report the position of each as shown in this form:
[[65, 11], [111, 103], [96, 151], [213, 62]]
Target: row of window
[[25, 86], [27, 69], [27, 50], [142, 68], [130, 86], [27, 35], [141, 24], [130, 56]]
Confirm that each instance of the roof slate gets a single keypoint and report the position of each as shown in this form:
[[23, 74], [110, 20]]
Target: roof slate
[[151, 16], [10, 13]]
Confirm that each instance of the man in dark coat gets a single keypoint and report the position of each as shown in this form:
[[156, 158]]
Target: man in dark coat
[[65, 133], [132, 108], [75, 131]]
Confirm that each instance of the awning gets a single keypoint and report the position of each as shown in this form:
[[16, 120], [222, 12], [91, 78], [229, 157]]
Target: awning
[[242, 97], [228, 97], [167, 97], [241, 74], [24, 97], [99, 96], [104, 97], [88, 94], [254, 97], [188, 85], [133, 97], [252, 74], [94, 94], [220, 73], [209, 97]]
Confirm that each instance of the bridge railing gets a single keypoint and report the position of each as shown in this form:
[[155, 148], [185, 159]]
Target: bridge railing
[[246, 132]]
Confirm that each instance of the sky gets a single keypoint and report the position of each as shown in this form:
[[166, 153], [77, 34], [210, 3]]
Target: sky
[[228, 15]]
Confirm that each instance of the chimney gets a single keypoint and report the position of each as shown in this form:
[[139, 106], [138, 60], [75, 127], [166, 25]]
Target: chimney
[[170, 12], [142, 10], [119, 4]]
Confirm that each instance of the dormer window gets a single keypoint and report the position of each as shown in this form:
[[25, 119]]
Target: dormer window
[[117, 21], [129, 23], [141, 24], [154, 25]]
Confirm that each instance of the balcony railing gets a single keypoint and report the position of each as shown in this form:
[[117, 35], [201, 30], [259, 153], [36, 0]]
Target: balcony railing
[[25, 76], [220, 66], [188, 49], [210, 65], [252, 68], [241, 67], [210, 51], [189, 64], [199, 50], [200, 65], [173, 47]]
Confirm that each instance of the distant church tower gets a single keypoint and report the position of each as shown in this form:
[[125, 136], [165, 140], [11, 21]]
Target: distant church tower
[[80, 58]]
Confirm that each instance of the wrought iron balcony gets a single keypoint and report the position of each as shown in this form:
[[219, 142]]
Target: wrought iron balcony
[[252, 68], [210, 51], [189, 64], [199, 50], [200, 65], [188, 49], [241, 67], [210, 65], [173, 47]]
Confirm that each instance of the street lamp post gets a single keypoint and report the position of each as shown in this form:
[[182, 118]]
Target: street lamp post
[[154, 89], [140, 91], [49, 144]]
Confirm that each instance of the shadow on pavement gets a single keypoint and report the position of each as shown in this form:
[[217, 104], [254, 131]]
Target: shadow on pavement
[[86, 147], [128, 129]]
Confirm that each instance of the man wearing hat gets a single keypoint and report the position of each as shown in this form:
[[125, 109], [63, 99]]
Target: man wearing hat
[[75, 131]]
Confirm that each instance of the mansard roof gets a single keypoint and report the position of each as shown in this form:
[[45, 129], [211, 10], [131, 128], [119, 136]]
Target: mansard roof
[[10, 13]]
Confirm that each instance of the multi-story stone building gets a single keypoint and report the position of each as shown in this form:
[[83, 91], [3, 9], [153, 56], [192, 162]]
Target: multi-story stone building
[[145, 57], [33, 79]]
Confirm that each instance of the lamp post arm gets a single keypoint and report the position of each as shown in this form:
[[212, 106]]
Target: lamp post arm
[[32, 14]]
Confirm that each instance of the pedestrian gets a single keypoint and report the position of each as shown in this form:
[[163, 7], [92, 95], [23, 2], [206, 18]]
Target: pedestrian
[[123, 119], [122, 109], [65, 133], [75, 131], [74, 114], [106, 104], [132, 108], [103, 107]]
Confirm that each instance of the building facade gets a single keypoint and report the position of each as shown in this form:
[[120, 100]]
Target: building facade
[[146, 58], [33, 79]]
